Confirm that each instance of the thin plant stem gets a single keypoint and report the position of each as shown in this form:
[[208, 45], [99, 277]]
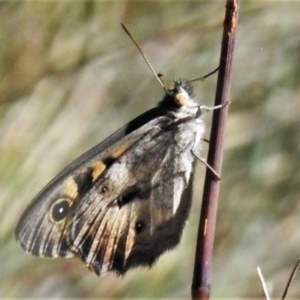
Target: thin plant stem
[[263, 284], [207, 223], [290, 280]]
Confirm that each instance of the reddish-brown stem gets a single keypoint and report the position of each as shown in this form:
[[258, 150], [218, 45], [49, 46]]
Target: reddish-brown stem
[[207, 223], [290, 280]]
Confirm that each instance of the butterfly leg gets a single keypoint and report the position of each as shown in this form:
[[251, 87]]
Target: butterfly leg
[[206, 164], [205, 140], [203, 107]]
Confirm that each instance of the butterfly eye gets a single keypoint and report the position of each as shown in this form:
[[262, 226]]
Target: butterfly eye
[[181, 99], [59, 210]]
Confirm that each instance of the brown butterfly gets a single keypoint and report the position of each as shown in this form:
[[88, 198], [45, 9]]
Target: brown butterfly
[[124, 202]]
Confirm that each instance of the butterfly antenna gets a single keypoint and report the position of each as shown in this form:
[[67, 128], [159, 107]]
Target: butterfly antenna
[[158, 76], [162, 81], [207, 75]]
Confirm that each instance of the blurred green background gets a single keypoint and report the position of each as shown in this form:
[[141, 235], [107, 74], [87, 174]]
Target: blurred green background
[[70, 76]]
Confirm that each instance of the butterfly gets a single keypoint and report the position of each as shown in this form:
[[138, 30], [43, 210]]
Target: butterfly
[[125, 201]]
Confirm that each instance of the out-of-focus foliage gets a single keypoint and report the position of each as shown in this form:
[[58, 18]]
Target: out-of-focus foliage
[[70, 76]]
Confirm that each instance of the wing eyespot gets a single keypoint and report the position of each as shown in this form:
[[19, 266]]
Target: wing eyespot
[[59, 210], [104, 190], [139, 226]]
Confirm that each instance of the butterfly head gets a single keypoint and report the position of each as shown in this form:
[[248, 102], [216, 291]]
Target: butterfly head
[[180, 100]]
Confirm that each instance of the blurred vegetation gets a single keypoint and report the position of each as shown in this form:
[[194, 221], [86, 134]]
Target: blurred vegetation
[[70, 76]]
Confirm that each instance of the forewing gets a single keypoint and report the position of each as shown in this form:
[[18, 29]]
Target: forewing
[[44, 227], [121, 204]]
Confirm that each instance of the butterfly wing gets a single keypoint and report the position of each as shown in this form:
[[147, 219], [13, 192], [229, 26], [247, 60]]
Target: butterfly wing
[[121, 204], [44, 227], [138, 207]]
